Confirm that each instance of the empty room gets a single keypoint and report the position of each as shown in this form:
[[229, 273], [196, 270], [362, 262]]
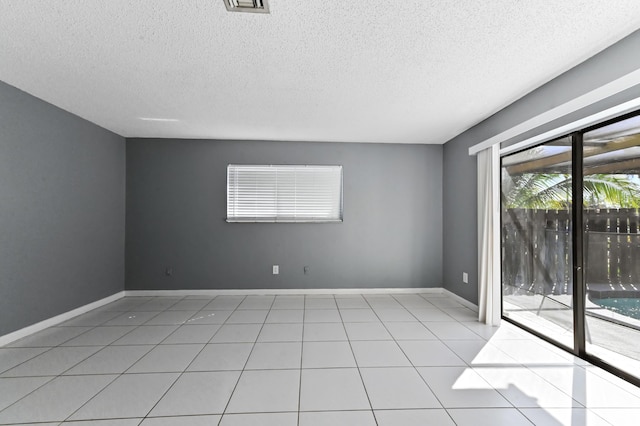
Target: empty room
[[285, 213]]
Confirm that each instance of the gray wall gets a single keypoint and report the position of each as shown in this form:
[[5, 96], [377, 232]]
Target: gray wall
[[62, 194], [459, 178], [176, 208]]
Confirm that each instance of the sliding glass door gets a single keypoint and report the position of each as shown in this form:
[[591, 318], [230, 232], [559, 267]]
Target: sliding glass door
[[611, 193], [536, 200], [570, 212]]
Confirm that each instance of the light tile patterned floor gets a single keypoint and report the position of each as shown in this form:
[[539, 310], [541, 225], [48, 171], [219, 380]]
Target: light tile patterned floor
[[352, 360]]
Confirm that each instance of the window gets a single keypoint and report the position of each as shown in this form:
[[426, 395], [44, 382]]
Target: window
[[291, 193]]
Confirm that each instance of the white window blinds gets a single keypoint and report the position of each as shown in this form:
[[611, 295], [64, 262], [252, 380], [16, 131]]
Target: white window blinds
[[263, 193]]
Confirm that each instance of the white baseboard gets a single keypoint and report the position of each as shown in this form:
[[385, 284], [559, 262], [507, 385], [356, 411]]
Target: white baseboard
[[58, 319], [281, 291], [462, 300]]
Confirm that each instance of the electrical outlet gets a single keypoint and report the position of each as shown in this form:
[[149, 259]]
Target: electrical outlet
[[276, 269], [465, 278], [168, 272], [306, 270]]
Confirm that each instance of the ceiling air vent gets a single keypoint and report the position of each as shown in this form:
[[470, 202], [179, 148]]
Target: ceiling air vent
[[252, 6]]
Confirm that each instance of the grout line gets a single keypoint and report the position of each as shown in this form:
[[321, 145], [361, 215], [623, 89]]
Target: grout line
[[28, 359], [490, 386], [128, 373], [411, 362], [52, 378], [304, 311], [56, 376], [117, 375], [366, 392], [185, 369], [89, 328], [248, 358]]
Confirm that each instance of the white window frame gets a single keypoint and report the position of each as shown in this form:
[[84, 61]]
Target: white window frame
[[285, 193]]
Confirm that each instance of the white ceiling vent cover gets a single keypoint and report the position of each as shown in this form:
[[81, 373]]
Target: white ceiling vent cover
[[252, 6]]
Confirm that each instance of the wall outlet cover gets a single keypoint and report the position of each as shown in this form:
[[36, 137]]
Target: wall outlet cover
[[276, 269], [465, 278]]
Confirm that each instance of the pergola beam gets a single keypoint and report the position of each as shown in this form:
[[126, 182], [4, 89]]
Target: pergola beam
[[589, 151], [614, 168]]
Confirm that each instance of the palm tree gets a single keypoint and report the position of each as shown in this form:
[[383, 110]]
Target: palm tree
[[553, 191]]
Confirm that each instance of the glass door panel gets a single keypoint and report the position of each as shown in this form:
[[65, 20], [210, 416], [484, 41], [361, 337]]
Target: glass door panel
[[611, 193], [537, 260]]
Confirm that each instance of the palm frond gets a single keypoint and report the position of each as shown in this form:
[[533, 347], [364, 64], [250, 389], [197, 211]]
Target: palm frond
[[553, 191]]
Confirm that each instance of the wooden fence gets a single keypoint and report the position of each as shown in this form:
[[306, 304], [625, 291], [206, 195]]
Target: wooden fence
[[537, 258]]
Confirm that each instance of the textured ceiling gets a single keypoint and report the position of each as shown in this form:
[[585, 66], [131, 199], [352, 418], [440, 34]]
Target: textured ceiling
[[402, 71]]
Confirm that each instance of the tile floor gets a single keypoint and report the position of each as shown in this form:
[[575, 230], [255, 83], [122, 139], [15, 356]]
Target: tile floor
[[356, 360]]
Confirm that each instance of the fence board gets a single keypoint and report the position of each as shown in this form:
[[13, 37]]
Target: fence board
[[537, 257]]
